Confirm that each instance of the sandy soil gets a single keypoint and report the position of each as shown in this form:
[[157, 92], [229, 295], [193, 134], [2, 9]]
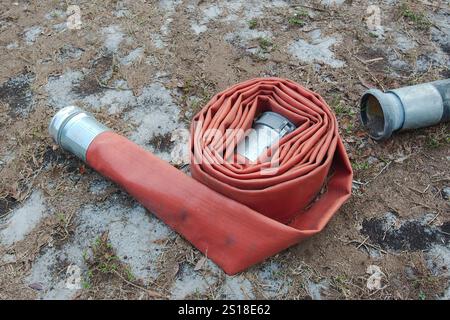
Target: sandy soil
[[144, 68]]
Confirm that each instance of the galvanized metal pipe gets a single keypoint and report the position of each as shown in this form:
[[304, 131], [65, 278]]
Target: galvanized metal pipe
[[423, 105]]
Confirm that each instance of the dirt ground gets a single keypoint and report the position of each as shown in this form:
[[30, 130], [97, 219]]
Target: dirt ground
[[144, 68]]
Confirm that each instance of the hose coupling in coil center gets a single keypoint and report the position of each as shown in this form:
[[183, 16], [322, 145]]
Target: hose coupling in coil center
[[267, 129]]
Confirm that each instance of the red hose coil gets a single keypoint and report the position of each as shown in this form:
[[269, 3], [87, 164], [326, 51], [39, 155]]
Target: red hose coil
[[239, 214]]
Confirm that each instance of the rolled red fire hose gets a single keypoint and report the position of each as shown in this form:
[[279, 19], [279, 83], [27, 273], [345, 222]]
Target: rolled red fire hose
[[238, 214]]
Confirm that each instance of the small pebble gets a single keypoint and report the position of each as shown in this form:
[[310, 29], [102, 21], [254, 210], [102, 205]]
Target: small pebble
[[372, 160], [446, 193]]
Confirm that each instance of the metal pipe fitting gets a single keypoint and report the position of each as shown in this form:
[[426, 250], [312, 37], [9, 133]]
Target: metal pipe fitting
[[74, 130], [406, 108], [267, 129]]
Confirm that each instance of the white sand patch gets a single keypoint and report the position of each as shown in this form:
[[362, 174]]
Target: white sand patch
[[236, 288], [31, 34], [55, 14], [7, 157], [99, 186], [60, 27], [190, 283], [42, 277], [242, 37], [134, 240], [209, 13], [113, 38], [111, 99], [122, 10], [132, 233], [60, 89], [167, 9], [315, 289], [23, 219], [270, 276], [12, 45], [154, 114], [332, 2], [438, 260], [317, 50], [236, 13], [133, 56], [403, 42]]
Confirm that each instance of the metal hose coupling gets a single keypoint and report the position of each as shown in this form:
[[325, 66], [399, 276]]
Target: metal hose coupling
[[74, 130], [268, 128], [419, 106]]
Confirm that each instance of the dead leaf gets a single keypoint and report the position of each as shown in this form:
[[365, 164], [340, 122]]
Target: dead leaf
[[36, 286], [402, 159], [175, 270], [365, 83], [200, 263]]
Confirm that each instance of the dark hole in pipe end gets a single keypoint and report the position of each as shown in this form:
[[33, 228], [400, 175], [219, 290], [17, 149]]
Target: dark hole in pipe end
[[372, 117]]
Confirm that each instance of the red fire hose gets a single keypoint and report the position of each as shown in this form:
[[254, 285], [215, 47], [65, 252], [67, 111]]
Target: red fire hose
[[233, 213]]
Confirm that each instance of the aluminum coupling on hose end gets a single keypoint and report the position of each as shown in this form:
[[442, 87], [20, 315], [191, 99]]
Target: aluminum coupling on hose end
[[74, 130]]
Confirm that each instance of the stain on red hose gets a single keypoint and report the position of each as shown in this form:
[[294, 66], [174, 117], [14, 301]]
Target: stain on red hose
[[238, 214]]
